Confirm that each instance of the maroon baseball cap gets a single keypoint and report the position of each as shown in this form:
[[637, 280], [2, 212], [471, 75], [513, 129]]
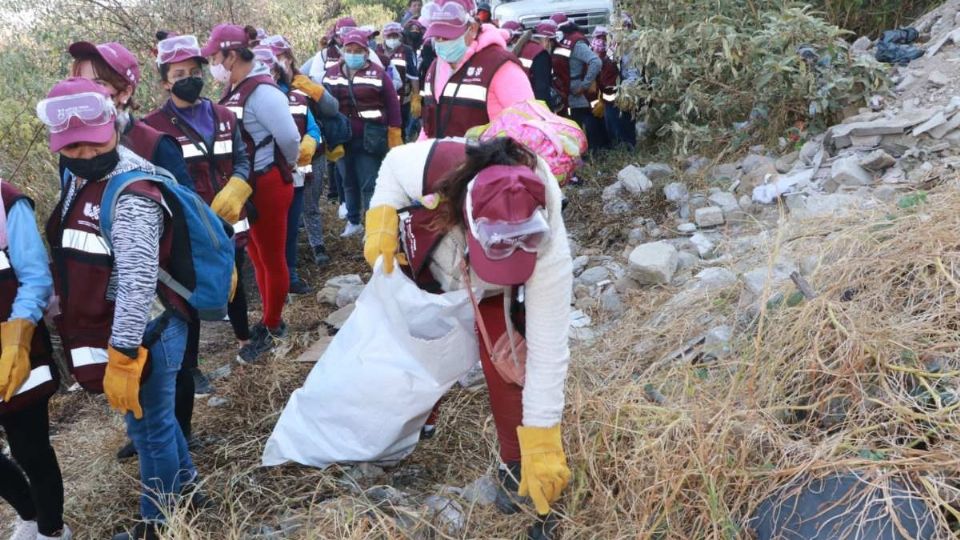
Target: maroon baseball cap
[[503, 210], [225, 37], [546, 29], [447, 19], [356, 37], [120, 60], [560, 19], [87, 108], [342, 23], [416, 23], [513, 27]]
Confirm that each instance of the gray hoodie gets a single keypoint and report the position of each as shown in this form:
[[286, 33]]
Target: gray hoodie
[[266, 113]]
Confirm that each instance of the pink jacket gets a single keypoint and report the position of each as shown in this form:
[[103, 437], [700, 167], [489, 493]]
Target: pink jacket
[[508, 86]]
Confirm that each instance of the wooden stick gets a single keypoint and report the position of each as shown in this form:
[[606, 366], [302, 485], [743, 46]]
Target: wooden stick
[[803, 286]]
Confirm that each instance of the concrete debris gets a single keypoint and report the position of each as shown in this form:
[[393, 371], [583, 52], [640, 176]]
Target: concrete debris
[[592, 276], [579, 319], [758, 279], [937, 79], [633, 180], [348, 295], [482, 491], [861, 45], [847, 172], [687, 228], [785, 163], [706, 247], [878, 160], [710, 216], [935, 121], [217, 401], [339, 317], [657, 171], [712, 279], [653, 263], [676, 192], [726, 201], [840, 134], [447, 513]]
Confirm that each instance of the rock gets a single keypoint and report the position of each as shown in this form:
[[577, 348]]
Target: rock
[[847, 172], [592, 276], [653, 263], [756, 280], [886, 193], [579, 264], [785, 163], [676, 192], [717, 341], [315, 351], [871, 141], [579, 319], [906, 83], [809, 151], [710, 216], [637, 235], [723, 172], [344, 281], [657, 171], [878, 160], [694, 164], [861, 45], [386, 494], [755, 161], [937, 79], [340, 316], [348, 295], [446, 513], [726, 201], [221, 372], [941, 131], [705, 246], [936, 121], [712, 279], [362, 472], [626, 284], [612, 192], [820, 206], [217, 401], [482, 491], [633, 180], [327, 295], [757, 176], [686, 260], [746, 203], [687, 228], [885, 126], [610, 302]]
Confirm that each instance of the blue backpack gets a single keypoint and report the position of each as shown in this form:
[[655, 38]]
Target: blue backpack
[[202, 256]]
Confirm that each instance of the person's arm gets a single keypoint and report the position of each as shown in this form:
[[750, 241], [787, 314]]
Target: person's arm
[[542, 74], [313, 130], [169, 156], [136, 233], [329, 106], [509, 85], [268, 105], [392, 101], [399, 182], [241, 161], [28, 257], [585, 54]]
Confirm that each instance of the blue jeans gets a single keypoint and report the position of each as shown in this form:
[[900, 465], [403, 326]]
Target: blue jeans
[[293, 231], [620, 125], [358, 169], [165, 464]]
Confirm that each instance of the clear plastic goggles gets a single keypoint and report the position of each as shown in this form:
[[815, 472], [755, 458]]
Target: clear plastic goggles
[[169, 48], [276, 42], [500, 239], [450, 13], [343, 31], [90, 108], [265, 55]]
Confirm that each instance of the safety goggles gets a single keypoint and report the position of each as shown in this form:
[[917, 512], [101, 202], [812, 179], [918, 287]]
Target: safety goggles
[[265, 55], [343, 31], [169, 49], [276, 43], [450, 13], [90, 108], [500, 239]]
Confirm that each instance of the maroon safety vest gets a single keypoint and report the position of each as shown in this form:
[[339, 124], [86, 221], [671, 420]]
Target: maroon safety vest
[[530, 50], [420, 238], [299, 104], [332, 57], [142, 139], [367, 91], [82, 264], [463, 104], [398, 59], [235, 100], [208, 180], [43, 379], [607, 80], [561, 65]]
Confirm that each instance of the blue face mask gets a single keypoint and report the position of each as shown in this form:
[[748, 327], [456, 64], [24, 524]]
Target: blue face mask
[[451, 51], [354, 60]]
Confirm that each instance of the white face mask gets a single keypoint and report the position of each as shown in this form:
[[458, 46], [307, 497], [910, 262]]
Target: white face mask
[[392, 43], [220, 73]]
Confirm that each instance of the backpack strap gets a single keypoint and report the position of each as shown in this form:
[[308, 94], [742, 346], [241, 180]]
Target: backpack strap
[[115, 188]]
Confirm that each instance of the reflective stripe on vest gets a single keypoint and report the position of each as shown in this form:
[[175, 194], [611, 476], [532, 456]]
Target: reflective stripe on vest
[[238, 111], [84, 241], [562, 51], [466, 91], [241, 226], [220, 148], [594, 102], [298, 109], [610, 96], [371, 115], [4, 261], [88, 356], [398, 62], [330, 63], [337, 81], [526, 62], [38, 376], [367, 80], [305, 169]]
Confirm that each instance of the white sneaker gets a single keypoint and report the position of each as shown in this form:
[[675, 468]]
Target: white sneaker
[[352, 229], [342, 211], [24, 530], [65, 534]]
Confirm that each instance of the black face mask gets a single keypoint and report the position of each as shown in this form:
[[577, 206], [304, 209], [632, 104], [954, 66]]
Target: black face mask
[[414, 39], [188, 89], [94, 168]]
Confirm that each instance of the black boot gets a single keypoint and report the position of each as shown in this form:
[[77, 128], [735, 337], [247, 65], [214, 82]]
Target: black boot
[[545, 528], [320, 256], [142, 531], [508, 501], [128, 451]]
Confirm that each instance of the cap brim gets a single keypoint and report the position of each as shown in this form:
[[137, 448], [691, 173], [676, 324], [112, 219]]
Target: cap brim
[[87, 134], [514, 270], [182, 56], [209, 48], [445, 31]]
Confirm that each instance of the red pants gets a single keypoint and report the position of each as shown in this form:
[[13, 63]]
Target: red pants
[[267, 247], [506, 399]]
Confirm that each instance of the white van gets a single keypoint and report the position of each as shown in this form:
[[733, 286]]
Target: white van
[[586, 13]]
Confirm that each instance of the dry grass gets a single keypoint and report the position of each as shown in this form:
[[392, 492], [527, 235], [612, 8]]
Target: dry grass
[[864, 377]]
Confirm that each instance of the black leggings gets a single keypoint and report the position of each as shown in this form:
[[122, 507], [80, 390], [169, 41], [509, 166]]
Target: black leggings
[[33, 485]]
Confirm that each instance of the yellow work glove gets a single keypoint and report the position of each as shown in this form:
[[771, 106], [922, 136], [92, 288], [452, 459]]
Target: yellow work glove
[[334, 154], [383, 236], [15, 336], [121, 381], [598, 109], [543, 466], [394, 138], [304, 84], [229, 202], [415, 105], [307, 148]]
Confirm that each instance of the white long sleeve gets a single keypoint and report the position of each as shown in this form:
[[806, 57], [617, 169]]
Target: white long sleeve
[[547, 292]]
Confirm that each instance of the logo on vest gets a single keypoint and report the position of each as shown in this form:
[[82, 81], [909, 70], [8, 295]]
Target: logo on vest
[[474, 71], [92, 211]]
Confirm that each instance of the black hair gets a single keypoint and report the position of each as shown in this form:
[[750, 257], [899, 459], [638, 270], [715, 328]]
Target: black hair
[[246, 53], [453, 186], [571, 27]]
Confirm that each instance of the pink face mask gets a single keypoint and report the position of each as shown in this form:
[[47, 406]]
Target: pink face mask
[[598, 45]]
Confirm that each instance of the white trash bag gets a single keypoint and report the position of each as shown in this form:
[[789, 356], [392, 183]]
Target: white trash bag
[[370, 393]]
